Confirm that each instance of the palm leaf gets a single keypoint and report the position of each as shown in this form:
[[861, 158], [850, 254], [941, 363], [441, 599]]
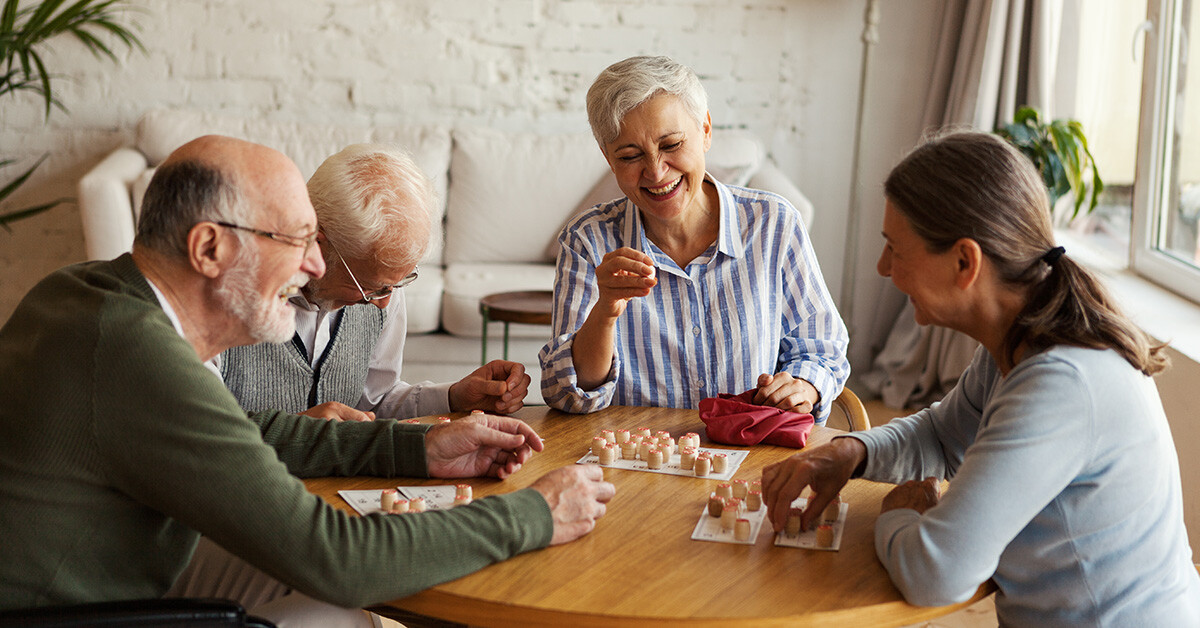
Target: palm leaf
[[18, 214]]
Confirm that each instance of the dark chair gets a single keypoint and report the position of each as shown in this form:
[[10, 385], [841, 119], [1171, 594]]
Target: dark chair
[[153, 613]]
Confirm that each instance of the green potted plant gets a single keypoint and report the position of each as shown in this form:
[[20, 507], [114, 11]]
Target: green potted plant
[[1059, 149], [24, 30]]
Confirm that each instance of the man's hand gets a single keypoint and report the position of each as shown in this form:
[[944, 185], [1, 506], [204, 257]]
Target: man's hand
[[918, 495], [785, 392], [825, 469], [335, 411], [479, 445], [577, 495], [497, 386]]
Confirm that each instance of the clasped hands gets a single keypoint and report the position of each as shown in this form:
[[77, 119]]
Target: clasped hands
[[825, 470]]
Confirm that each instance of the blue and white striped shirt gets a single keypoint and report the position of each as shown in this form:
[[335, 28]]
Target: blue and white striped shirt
[[755, 302]]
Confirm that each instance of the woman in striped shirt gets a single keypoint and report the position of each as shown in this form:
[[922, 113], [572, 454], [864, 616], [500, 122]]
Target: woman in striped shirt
[[685, 288]]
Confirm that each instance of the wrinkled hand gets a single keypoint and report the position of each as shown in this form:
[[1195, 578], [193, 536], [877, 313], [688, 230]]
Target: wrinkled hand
[[918, 495], [479, 445], [335, 411], [785, 392], [622, 275], [825, 470], [577, 495], [498, 386]]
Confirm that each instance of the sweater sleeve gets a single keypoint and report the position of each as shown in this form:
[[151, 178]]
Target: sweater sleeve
[[173, 439], [1023, 456], [315, 447]]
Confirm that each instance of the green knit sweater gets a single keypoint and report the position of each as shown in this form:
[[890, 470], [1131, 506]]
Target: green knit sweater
[[120, 448]]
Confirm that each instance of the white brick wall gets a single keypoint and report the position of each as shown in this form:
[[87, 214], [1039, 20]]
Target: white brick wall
[[512, 64]]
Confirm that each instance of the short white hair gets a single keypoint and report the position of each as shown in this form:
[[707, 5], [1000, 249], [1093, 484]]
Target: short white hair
[[372, 200], [624, 85]]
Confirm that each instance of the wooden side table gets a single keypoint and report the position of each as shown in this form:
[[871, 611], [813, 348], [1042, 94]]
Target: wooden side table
[[531, 307]]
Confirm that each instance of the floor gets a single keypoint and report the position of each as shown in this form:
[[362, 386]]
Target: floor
[[981, 614]]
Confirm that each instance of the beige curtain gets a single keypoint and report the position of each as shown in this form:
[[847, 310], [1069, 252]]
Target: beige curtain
[[992, 57]]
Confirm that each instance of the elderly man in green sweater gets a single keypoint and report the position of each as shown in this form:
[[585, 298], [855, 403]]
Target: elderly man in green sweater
[[121, 448]]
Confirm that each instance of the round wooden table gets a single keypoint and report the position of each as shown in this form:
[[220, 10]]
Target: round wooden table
[[531, 307], [640, 565]]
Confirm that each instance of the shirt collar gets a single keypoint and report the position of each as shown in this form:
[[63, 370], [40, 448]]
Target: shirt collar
[[729, 241]]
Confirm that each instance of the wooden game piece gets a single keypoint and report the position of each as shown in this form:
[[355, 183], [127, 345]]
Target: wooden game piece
[[729, 516], [463, 489], [741, 505], [477, 412], [725, 490], [608, 436], [668, 446], [740, 488], [386, 499], [608, 454], [412, 421], [702, 466], [598, 444], [462, 500], [629, 450], [753, 501], [756, 485], [687, 459], [831, 512], [416, 504], [644, 431], [824, 535], [443, 419], [741, 530], [661, 434], [792, 528], [716, 504], [622, 436], [656, 459], [400, 506], [644, 449], [720, 463]]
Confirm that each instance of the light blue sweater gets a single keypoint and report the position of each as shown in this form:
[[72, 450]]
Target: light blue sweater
[[1064, 488]]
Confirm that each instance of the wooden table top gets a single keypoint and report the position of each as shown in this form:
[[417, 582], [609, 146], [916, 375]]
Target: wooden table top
[[640, 564], [530, 307]]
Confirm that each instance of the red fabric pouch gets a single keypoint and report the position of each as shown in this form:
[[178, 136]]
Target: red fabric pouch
[[734, 420]]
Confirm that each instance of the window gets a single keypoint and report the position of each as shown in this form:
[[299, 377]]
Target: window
[[1166, 206], [1132, 75]]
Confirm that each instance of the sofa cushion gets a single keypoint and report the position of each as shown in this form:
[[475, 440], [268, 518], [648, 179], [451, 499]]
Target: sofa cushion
[[308, 144], [509, 192], [423, 300], [467, 283]]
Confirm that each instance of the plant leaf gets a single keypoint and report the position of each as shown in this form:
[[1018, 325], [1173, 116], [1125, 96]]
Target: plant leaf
[[18, 214]]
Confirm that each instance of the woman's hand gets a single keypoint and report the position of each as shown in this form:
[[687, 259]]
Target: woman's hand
[[785, 392], [825, 469], [918, 495], [622, 275]]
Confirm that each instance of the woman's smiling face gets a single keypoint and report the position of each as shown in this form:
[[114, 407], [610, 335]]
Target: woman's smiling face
[[658, 158]]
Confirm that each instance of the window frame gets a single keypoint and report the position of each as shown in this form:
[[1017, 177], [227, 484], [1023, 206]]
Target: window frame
[[1152, 194]]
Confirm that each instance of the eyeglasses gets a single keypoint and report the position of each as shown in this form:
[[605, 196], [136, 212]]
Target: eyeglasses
[[305, 241], [374, 295]]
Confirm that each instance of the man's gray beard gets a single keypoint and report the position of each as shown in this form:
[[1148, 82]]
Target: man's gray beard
[[265, 320]]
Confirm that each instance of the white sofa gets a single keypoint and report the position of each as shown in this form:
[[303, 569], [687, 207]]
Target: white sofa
[[503, 197]]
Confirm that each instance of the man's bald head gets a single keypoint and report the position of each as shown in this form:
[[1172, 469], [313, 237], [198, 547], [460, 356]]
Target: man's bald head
[[213, 178]]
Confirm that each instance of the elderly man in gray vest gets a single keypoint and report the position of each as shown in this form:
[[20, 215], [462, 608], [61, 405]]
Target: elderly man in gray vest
[[373, 205]]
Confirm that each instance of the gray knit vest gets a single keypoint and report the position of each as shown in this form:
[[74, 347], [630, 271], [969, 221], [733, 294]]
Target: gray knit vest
[[270, 376]]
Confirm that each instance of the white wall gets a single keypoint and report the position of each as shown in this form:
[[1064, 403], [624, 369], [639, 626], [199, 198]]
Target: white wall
[[785, 69]]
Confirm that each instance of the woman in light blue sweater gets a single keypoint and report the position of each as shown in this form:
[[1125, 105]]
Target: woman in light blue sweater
[[1065, 484]]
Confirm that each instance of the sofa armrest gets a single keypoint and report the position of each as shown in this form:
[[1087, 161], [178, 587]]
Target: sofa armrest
[[105, 207], [770, 178]]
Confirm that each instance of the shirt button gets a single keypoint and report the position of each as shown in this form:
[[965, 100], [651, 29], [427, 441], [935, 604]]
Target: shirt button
[[696, 330], [699, 384]]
